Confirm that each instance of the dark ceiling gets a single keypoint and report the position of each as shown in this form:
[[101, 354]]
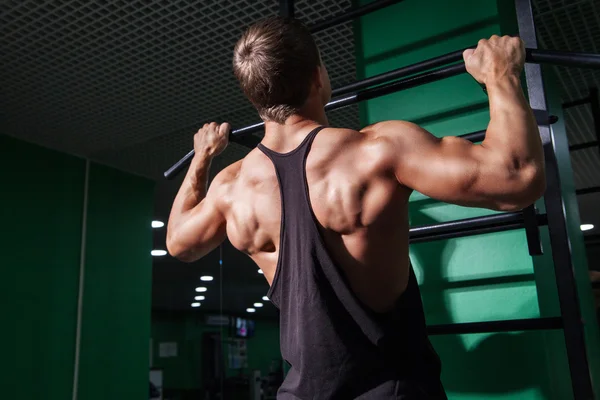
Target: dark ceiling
[[127, 83]]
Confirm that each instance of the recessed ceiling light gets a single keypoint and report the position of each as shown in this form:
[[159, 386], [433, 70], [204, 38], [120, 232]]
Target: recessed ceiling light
[[260, 271], [206, 278], [201, 289], [586, 227], [157, 224], [265, 298], [195, 304], [250, 310], [258, 305], [158, 253], [199, 298]]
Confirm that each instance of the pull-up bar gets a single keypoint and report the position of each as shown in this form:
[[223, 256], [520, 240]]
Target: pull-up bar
[[414, 75]]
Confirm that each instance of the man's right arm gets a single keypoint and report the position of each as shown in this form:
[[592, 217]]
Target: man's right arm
[[506, 171]]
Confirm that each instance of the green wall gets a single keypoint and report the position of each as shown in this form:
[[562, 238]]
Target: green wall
[[42, 207], [479, 278], [184, 372], [117, 290]]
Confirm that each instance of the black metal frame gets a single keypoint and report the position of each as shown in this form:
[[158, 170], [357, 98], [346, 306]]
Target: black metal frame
[[593, 189], [472, 226], [581, 146], [557, 225], [511, 325]]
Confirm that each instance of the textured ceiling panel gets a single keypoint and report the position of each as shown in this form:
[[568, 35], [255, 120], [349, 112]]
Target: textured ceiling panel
[[586, 167], [575, 26], [100, 78], [579, 124]]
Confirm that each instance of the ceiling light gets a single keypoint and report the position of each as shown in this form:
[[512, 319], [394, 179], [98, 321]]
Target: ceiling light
[[250, 310], [265, 298], [195, 304], [586, 227], [157, 224], [206, 278], [158, 253], [258, 305], [260, 271], [199, 298], [201, 289]]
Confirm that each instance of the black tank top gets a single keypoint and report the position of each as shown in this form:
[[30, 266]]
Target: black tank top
[[338, 348]]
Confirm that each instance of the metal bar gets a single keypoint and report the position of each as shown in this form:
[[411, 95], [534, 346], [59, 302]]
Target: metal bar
[[351, 14], [514, 325], [396, 86], [557, 225], [81, 287], [533, 56], [286, 8], [565, 58], [594, 189], [576, 103], [465, 224], [474, 136], [582, 146], [500, 226], [401, 72], [595, 104], [471, 232], [532, 231]]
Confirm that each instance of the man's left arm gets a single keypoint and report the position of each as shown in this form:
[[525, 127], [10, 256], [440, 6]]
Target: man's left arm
[[197, 224]]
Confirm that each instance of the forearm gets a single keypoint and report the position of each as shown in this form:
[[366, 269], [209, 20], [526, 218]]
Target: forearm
[[192, 191], [513, 157], [512, 133]]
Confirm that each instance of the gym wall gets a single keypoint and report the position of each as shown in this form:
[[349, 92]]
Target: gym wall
[[42, 206], [183, 373], [478, 278], [593, 256]]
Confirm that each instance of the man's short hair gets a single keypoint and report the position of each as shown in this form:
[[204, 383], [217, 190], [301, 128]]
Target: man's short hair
[[275, 61]]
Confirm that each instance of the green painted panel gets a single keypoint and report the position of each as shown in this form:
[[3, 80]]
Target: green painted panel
[[484, 277], [116, 302], [41, 209], [263, 348]]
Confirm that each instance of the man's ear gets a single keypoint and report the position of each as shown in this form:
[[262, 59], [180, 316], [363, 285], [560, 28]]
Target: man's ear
[[317, 77]]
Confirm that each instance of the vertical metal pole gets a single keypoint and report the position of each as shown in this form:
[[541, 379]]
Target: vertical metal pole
[[595, 103], [557, 224], [82, 254], [286, 8]]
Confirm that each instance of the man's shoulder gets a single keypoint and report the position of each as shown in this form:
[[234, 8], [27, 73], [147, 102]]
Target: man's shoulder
[[389, 126], [227, 175]]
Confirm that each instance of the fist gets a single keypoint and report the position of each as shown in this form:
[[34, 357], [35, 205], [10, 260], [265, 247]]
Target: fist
[[495, 59], [212, 139]]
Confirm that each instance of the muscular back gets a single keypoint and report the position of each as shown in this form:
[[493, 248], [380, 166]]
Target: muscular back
[[359, 182], [359, 206]]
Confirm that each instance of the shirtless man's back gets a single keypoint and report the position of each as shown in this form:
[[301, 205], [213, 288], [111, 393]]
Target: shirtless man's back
[[352, 273]]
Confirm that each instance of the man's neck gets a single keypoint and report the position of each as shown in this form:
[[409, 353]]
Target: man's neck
[[287, 136]]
